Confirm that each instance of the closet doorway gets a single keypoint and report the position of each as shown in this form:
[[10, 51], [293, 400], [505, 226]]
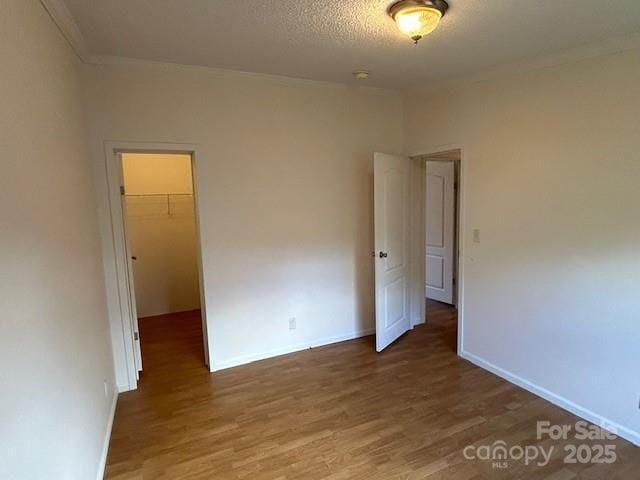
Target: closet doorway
[[163, 262]]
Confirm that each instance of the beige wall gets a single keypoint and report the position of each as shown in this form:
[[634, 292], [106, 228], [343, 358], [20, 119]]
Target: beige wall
[[162, 232], [284, 177], [55, 352], [551, 175], [551, 170]]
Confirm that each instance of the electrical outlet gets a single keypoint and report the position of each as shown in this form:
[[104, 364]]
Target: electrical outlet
[[292, 323], [106, 388]]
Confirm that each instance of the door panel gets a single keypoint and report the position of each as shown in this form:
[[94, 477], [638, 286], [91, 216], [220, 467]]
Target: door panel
[[435, 268], [440, 224], [394, 306], [391, 211], [435, 218]]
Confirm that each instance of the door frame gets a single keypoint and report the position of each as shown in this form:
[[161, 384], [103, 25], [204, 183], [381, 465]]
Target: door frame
[[113, 166], [459, 234]]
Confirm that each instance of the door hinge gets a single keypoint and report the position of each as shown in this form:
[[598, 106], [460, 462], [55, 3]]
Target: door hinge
[[121, 189], [136, 336]]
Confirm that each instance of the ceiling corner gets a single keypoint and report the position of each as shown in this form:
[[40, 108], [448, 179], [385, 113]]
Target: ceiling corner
[[62, 17]]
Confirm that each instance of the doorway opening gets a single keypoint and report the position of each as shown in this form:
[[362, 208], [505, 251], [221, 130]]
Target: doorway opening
[[163, 261], [417, 248], [442, 240]]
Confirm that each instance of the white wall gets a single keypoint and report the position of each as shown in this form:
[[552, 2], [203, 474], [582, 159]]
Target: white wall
[[54, 336], [284, 175], [161, 229], [551, 175]]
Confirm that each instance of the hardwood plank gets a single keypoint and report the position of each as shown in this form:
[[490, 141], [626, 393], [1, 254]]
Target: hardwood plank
[[331, 413]]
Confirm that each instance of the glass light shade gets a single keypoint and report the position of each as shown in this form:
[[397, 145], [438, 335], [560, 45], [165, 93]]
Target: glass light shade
[[417, 21]]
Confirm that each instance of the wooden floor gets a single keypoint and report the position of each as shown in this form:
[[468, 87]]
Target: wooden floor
[[336, 412]]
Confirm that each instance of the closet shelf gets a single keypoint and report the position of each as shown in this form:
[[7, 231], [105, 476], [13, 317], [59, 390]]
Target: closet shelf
[[150, 203]]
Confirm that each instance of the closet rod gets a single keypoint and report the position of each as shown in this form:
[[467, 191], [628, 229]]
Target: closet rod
[[157, 194], [162, 195]]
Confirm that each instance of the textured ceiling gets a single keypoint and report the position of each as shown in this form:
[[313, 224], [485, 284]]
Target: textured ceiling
[[329, 39]]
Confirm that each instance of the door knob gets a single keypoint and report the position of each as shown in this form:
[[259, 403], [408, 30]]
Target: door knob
[[383, 254]]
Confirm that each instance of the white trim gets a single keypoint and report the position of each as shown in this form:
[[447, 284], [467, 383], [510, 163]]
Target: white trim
[[225, 73], [67, 25], [113, 173], [609, 46], [201, 277], [62, 17], [107, 437], [124, 388], [461, 223], [125, 326], [580, 411], [244, 359]]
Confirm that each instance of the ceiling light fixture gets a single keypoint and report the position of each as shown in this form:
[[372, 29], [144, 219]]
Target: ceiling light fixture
[[417, 18]]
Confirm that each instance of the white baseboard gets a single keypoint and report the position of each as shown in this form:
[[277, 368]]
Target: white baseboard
[[124, 388], [244, 359], [620, 430], [107, 437]]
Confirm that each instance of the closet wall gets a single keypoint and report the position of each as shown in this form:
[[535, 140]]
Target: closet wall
[[162, 232]]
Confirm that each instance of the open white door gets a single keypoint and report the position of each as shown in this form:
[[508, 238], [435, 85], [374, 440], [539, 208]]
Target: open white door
[[440, 222], [130, 277], [391, 212]]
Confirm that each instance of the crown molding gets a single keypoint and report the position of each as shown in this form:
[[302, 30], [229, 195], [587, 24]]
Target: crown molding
[[112, 60], [67, 25], [62, 17], [65, 22], [609, 46]]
